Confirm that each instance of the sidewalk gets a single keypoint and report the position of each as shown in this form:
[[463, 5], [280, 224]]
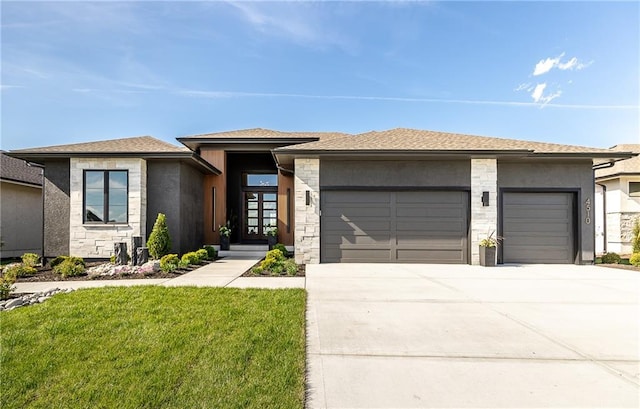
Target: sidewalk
[[224, 272]]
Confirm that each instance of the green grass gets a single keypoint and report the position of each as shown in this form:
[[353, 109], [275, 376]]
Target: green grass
[[155, 347]]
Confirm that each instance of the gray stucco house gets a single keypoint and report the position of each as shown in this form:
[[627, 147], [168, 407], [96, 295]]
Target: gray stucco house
[[20, 207], [401, 195]]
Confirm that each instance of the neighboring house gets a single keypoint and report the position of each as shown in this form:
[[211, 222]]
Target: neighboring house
[[20, 207], [401, 195], [617, 202]]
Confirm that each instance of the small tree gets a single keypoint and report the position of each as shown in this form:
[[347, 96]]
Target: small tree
[[636, 236], [159, 242]]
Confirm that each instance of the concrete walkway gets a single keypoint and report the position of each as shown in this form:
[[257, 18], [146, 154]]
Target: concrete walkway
[[224, 272], [417, 336]]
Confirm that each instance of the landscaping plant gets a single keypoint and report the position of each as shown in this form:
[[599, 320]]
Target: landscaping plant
[[634, 260], [20, 270], [611, 258], [191, 258], [7, 280], [30, 259], [70, 267], [169, 263], [159, 242], [202, 254], [282, 248], [276, 263], [212, 253]]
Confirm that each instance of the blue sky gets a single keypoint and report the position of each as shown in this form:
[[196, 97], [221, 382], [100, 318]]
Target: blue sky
[[565, 72]]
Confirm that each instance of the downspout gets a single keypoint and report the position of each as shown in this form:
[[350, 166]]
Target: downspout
[[604, 216]]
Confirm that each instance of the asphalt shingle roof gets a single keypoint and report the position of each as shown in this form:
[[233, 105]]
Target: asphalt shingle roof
[[17, 170], [625, 166], [259, 133], [403, 139], [138, 144]]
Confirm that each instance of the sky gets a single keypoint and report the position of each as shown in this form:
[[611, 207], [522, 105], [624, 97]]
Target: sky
[[562, 72]]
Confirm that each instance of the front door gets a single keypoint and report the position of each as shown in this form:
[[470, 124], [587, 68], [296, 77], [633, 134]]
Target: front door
[[260, 214]]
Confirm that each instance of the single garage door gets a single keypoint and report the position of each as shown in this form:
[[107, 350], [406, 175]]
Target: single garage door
[[394, 227], [538, 228]]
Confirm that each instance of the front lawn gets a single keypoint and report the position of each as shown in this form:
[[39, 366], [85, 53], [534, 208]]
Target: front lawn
[[156, 347]]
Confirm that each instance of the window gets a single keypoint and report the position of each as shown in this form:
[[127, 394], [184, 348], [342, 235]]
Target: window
[[634, 188], [260, 179], [105, 196]]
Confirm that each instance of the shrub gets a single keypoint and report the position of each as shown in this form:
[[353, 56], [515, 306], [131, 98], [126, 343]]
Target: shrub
[[290, 267], [202, 254], [6, 284], [183, 264], [636, 236], [212, 253], [191, 258], [159, 242], [611, 258], [635, 259], [274, 257], [20, 270], [30, 259], [282, 248], [70, 267], [57, 261], [169, 263], [257, 270]]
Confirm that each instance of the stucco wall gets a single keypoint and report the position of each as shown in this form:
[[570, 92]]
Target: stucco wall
[[97, 240], [175, 189], [56, 208], [620, 214], [20, 219], [395, 173], [558, 175]]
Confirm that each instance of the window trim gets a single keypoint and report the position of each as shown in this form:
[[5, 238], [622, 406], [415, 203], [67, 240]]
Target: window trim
[[634, 194], [105, 195]]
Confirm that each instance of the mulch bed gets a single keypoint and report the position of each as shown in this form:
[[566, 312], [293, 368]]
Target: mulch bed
[[248, 273], [47, 274]]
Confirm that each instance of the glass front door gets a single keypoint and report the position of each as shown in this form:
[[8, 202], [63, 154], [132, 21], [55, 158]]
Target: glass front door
[[260, 214]]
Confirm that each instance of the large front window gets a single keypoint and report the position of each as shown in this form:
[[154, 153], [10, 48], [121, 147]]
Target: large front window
[[105, 196]]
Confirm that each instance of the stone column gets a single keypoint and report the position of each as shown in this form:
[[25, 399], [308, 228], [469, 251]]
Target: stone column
[[307, 216], [484, 219]]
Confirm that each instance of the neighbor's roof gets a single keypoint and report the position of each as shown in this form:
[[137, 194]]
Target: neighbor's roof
[[146, 147], [624, 166], [403, 139], [17, 170]]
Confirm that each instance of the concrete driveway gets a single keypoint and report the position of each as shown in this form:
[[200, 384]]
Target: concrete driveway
[[410, 336]]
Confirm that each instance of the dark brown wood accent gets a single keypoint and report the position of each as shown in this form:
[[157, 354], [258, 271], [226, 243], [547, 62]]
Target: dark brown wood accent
[[286, 212], [215, 214]]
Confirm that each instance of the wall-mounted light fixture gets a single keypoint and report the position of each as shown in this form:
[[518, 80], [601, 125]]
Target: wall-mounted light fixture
[[485, 198], [308, 197]]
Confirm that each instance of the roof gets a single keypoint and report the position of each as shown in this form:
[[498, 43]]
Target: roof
[[261, 133], [16, 170], [624, 166], [146, 147], [404, 139], [137, 144]]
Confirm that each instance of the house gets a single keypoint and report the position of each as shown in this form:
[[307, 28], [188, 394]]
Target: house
[[401, 195], [617, 202], [20, 207]]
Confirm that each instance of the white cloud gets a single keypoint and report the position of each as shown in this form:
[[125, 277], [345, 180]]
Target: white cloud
[[546, 65], [539, 96], [525, 86]]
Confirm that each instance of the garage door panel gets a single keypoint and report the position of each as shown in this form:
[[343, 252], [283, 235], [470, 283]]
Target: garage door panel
[[426, 256], [437, 212], [537, 227], [426, 227]]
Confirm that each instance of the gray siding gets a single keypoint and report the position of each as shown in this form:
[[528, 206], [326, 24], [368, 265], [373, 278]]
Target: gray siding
[[551, 175], [56, 208], [395, 173], [175, 189]]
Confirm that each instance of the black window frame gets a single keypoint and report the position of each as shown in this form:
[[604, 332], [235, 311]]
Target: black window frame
[[105, 195]]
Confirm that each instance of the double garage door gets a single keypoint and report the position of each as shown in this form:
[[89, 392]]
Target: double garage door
[[394, 226], [433, 227]]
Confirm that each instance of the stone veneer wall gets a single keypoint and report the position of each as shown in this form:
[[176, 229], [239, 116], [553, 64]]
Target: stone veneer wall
[[484, 219], [96, 240], [307, 217], [620, 232]]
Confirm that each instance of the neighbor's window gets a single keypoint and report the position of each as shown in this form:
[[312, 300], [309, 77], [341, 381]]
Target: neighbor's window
[[105, 196], [634, 188]]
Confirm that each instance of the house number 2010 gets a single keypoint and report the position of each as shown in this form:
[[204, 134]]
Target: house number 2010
[[587, 208]]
